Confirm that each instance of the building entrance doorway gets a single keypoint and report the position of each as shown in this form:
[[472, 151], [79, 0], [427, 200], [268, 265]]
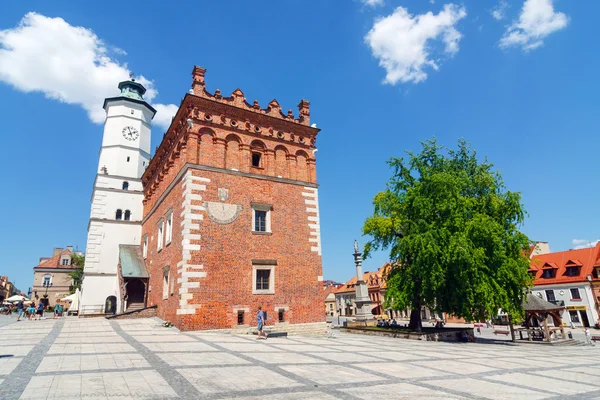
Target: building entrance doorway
[[584, 318], [135, 294]]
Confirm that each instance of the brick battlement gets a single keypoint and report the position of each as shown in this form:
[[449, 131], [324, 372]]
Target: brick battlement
[[237, 99], [231, 119]]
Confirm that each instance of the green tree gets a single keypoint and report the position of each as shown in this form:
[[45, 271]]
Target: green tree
[[77, 275], [451, 228]]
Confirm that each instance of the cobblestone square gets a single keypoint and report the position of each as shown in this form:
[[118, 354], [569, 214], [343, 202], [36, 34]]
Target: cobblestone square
[[98, 359]]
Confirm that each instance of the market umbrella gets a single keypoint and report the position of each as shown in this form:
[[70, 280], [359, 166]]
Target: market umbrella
[[17, 297]]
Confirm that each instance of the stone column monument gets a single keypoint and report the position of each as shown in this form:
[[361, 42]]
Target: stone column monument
[[362, 301]]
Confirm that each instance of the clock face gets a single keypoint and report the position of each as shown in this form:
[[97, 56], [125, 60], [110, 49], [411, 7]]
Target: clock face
[[130, 133]]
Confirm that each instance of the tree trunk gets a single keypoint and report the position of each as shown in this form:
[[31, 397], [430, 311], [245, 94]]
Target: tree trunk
[[512, 329], [415, 320]]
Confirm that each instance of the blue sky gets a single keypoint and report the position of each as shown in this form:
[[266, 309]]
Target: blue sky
[[517, 79]]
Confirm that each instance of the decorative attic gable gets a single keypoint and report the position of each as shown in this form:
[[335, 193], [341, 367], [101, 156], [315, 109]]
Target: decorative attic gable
[[549, 265], [237, 99], [574, 263]]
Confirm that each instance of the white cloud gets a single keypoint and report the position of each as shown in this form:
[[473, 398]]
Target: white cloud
[[499, 12], [583, 243], [536, 21], [404, 43], [372, 3], [66, 63], [164, 114]]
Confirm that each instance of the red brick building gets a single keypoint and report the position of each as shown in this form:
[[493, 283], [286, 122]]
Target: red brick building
[[231, 217]]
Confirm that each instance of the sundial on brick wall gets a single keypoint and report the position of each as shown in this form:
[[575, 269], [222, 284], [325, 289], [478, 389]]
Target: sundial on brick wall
[[220, 212]]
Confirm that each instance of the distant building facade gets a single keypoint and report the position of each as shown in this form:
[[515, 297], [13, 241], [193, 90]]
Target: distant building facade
[[51, 279], [571, 279], [7, 289]]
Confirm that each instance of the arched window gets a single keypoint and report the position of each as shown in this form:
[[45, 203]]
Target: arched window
[[119, 215], [127, 215], [125, 185]]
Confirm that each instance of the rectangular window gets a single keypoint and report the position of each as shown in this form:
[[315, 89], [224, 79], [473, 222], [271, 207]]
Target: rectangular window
[[574, 316], [261, 217], [65, 261], [281, 315], [47, 280], [260, 221], [159, 239], [166, 283], [575, 294], [550, 296], [240, 317], [169, 230], [263, 277], [145, 247], [256, 160]]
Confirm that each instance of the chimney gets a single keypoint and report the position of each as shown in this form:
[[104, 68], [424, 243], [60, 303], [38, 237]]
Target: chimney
[[57, 251], [70, 248], [42, 259]]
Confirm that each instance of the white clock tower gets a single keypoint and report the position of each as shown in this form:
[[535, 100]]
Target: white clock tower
[[116, 216]]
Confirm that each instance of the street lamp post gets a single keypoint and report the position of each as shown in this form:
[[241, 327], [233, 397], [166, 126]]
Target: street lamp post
[[46, 285]]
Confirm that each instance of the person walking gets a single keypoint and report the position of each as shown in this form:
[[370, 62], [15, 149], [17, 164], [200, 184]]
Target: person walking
[[20, 306], [31, 311], [260, 323], [40, 311], [588, 336]]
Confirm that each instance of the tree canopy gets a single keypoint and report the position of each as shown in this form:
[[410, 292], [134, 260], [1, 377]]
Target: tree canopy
[[77, 275], [452, 231]]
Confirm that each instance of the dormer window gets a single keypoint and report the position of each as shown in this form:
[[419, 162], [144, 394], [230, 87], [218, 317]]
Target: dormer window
[[549, 273], [573, 271]]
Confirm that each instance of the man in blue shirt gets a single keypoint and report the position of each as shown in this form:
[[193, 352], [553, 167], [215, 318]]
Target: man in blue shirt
[[20, 309], [261, 321]]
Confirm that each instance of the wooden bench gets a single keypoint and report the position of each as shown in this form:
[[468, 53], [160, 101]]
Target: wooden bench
[[498, 332], [595, 338]]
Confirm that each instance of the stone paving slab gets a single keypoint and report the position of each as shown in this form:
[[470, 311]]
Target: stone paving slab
[[90, 348], [199, 359], [15, 350], [489, 390], [235, 379], [132, 384], [542, 383], [75, 358], [400, 391]]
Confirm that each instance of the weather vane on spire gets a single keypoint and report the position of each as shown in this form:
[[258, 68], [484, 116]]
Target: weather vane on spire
[[131, 77]]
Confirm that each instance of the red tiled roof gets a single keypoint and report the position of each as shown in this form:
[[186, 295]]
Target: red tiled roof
[[54, 262], [585, 258], [373, 279]]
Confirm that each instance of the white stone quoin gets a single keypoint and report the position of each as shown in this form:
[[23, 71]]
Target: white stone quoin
[[124, 156]]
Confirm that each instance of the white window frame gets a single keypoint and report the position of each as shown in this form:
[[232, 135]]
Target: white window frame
[[49, 276], [161, 230], [67, 259], [271, 289], [166, 277], [261, 207], [169, 227], [578, 292], [145, 246]]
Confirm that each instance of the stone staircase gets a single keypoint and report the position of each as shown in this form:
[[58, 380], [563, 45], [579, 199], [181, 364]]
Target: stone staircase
[[134, 306]]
